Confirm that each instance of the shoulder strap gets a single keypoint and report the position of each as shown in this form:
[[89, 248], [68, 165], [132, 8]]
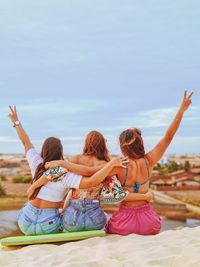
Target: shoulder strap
[[147, 166], [126, 175]]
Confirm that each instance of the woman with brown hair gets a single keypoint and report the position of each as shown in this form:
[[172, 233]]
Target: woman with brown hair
[[84, 211], [138, 217], [41, 215]]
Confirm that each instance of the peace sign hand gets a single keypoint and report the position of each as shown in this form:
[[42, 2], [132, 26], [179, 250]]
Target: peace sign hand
[[187, 100], [13, 114]]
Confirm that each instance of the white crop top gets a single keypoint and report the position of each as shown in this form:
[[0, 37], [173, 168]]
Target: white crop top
[[54, 192]]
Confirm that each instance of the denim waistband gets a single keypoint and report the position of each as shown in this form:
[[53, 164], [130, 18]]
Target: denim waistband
[[39, 211], [84, 202]]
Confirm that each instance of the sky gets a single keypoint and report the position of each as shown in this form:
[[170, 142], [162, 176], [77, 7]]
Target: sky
[[75, 66]]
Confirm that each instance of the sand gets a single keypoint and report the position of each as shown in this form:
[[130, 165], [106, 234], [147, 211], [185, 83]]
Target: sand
[[175, 248]]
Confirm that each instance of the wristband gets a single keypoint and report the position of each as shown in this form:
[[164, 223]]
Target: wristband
[[16, 123]]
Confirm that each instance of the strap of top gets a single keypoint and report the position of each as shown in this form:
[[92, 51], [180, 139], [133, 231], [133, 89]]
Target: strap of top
[[126, 175], [147, 166], [137, 185]]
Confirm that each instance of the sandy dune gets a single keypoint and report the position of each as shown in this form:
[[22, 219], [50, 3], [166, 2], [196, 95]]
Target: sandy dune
[[180, 248]]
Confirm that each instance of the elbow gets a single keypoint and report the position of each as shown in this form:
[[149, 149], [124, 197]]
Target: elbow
[[86, 183], [87, 172], [92, 182]]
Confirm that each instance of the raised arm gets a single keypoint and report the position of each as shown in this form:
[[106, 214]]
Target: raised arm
[[156, 154], [19, 129], [73, 167]]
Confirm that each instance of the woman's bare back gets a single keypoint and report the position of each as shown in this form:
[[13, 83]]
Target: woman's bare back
[[138, 171]]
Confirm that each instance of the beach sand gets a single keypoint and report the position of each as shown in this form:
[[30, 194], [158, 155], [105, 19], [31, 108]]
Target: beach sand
[[177, 248]]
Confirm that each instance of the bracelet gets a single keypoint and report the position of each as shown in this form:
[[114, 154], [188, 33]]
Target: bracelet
[[16, 123]]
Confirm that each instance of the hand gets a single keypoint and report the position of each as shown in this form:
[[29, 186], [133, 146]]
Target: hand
[[61, 211], [120, 162], [52, 164], [30, 192], [149, 196], [13, 114], [187, 100]]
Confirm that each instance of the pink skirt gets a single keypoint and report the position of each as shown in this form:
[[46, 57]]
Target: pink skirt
[[141, 220]]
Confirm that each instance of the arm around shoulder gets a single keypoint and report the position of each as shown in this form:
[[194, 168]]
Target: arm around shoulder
[[100, 176]]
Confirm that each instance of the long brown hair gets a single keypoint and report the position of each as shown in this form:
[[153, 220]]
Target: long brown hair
[[131, 143], [52, 149], [95, 145]]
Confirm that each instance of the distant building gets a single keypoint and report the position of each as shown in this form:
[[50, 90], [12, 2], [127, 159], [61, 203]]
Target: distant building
[[193, 159], [25, 169], [179, 180], [195, 171]]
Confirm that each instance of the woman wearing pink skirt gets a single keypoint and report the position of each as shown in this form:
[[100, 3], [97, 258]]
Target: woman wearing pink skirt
[[138, 217]]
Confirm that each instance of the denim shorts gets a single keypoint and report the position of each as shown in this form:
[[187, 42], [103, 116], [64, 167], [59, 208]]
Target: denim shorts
[[83, 215], [35, 221]]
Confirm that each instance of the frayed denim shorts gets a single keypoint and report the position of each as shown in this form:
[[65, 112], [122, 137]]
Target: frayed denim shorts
[[83, 215], [35, 221]]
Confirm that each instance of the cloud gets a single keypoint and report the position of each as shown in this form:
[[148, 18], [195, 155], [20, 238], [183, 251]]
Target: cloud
[[72, 138], [74, 144], [60, 106], [154, 118], [153, 123], [6, 139]]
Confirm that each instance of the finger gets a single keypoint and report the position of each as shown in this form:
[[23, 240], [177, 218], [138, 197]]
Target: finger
[[123, 166], [125, 159], [11, 109], [124, 163], [190, 96], [30, 195], [47, 165], [185, 93]]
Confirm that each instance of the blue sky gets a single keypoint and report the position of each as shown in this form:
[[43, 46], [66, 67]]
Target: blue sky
[[74, 66]]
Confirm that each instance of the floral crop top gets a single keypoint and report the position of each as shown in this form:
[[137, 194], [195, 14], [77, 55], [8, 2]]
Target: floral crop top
[[109, 192]]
